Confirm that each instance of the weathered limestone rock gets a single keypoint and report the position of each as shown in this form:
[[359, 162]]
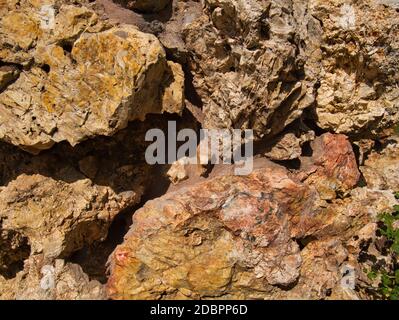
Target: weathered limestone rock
[[247, 70], [346, 217], [320, 271], [81, 77], [58, 280], [289, 146], [259, 64], [178, 171], [332, 168], [230, 237], [381, 169], [57, 217], [188, 229], [359, 71]]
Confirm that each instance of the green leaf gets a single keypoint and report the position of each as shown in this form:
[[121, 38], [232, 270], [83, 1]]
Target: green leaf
[[395, 247], [386, 291], [372, 275], [394, 297], [386, 281]]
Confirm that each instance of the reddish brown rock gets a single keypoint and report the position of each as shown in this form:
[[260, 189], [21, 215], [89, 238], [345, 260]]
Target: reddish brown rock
[[230, 237], [332, 168]]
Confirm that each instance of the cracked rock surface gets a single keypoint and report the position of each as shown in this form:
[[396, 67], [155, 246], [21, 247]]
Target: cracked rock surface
[[70, 87], [84, 216]]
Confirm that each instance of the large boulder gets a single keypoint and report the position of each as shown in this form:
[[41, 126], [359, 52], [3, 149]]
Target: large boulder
[[259, 64], [332, 167], [80, 77], [230, 237], [57, 217], [359, 70], [247, 69]]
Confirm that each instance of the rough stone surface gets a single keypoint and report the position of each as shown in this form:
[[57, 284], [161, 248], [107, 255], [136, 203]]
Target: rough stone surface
[[381, 169], [247, 70], [58, 280], [178, 171], [231, 237], [58, 218], [358, 92], [321, 270], [332, 168], [72, 88], [316, 80], [288, 146], [346, 217]]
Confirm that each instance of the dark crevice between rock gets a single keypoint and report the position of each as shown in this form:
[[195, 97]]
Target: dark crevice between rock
[[309, 118], [307, 150], [11, 64], [164, 14], [11, 74], [294, 164], [15, 250], [303, 242], [45, 67], [289, 286], [93, 258], [190, 91], [362, 181], [67, 47]]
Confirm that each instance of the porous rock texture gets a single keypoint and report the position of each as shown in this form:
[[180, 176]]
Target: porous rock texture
[[84, 216], [58, 218], [332, 167], [359, 71], [381, 169], [55, 281], [80, 77], [231, 237]]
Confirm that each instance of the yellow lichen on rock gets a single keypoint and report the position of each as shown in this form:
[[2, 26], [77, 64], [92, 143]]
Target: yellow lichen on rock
[[85, 78]]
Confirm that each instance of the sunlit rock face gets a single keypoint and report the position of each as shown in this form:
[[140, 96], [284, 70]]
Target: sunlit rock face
[[358, 73], [79, 76], [83, 215]]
